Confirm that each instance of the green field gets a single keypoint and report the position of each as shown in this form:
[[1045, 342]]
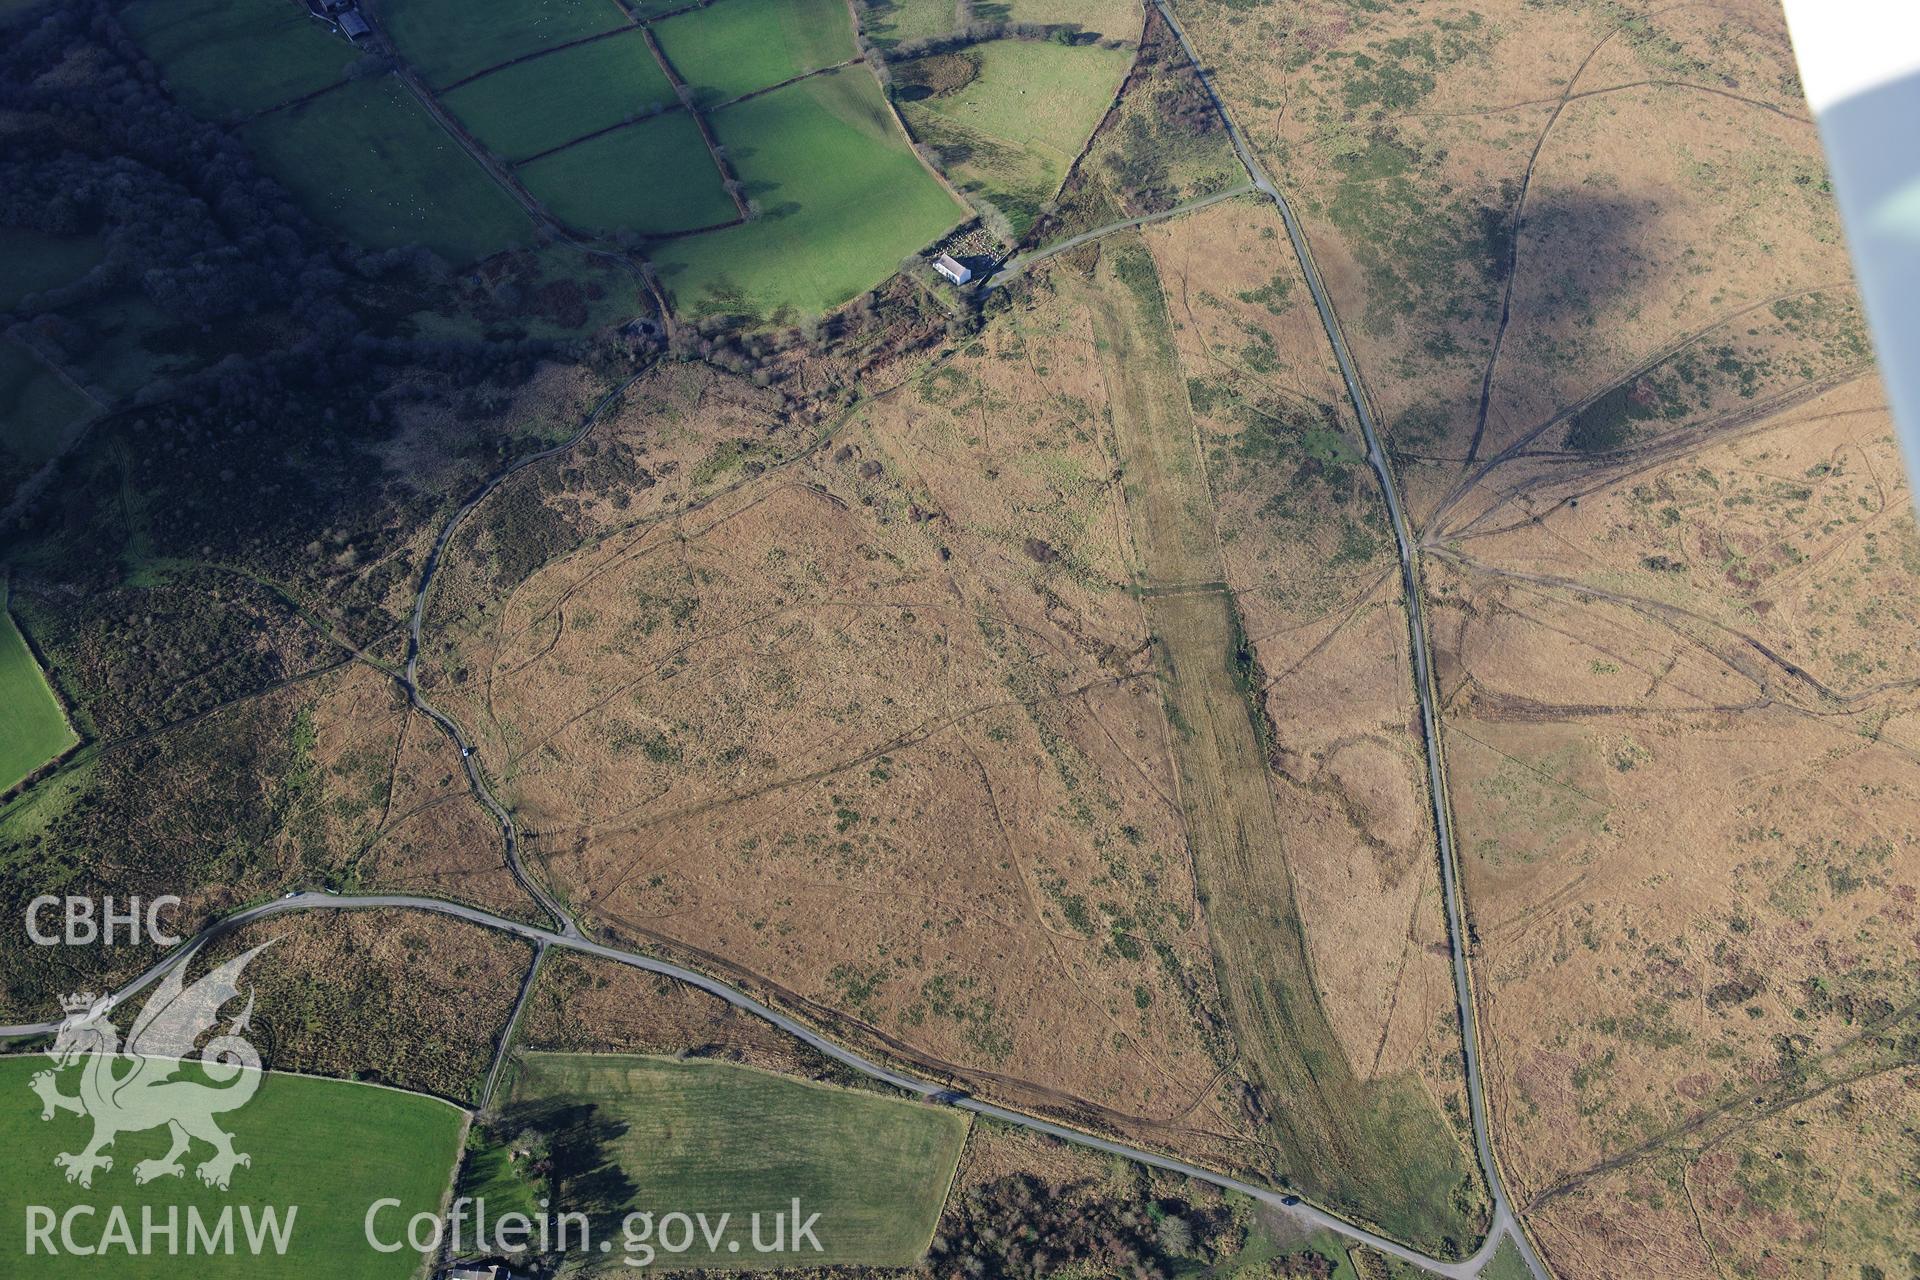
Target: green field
[[713, 1138], [445, 40], [1506, 1263], [37, 408], [329, 1147], [533, 106], [33, 263], [889, 22], [227, 56], [653, 177], [734, 47], [368, 161], [1115, 19], [34, 730], [1012, 133], [842, 201]]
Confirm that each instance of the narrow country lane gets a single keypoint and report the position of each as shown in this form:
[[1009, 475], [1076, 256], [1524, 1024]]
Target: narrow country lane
[[1504, 1218]]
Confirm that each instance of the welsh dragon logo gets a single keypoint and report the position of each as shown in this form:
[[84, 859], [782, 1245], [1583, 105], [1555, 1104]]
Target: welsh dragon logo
[[137, 1088]]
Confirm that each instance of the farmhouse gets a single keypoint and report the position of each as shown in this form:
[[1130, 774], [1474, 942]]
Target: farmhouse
[[477, 1271], [952, 268], [353, 26]]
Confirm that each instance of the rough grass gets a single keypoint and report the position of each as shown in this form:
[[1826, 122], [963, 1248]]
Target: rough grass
[[446, 40], [654, 177], [842, 201], [718, 1138], [1115, 19], [34, 730], [1506, 1263], [368, 161], [37, 409], [1012, 132], [888, 22], [737, 46], [31, 262], [328, 1146], [529, 107], [1377, 1150], [226, 56]]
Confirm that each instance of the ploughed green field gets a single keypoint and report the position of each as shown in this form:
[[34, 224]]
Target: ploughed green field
[[653, 177], [368, 161], [1011, 133], [734, 47], [34, 730], [37, 409], [548, 101], [446, 40], [842, 200], [716, 1138], [226, 56], [324, 1149]]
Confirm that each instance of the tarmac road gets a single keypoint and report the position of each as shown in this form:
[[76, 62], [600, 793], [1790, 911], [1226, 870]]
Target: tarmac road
[[1422, 664], [567, 934], [1307, 1215]]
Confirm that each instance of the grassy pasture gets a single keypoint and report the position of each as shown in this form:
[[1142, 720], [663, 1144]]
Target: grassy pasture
[[368, 161], [228, 56], [734, 47], [1114, 19], [893, 21], [842, 202], [533, 106], [328, 1146], [33, 263], [37, 409], [445, 40], [1506, 1263], [717, 1138], [34, 729], [1012, 132], [653, 177]]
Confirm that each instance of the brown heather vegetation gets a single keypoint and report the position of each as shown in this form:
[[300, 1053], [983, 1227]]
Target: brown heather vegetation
[[1040, 716], [878, 734], [394, 997], [580, 1004], [870, 718], [238, 741], [1306, 549], [1671, 567], [1681, 736]]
